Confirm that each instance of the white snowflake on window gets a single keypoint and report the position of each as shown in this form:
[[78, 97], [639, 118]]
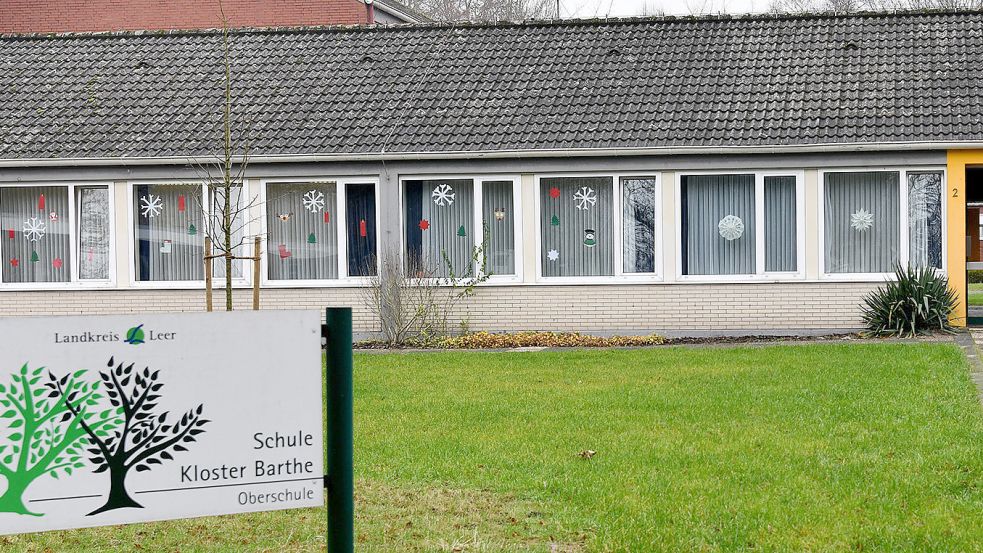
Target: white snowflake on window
[[443, 195], [585, 197], [33, 229], [731, 227], [862, 220], [314, 201], [150, 205], [552, 255]]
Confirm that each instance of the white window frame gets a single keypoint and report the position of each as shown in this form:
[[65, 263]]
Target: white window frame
[[237, 282], [903, 246], [478, 180], [74, 281], [619, 276], [341, 218], [759, 215]]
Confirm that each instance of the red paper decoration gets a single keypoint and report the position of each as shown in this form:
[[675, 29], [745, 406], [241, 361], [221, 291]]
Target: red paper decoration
[[41, 202], [15, 262], [10, 233], [284, 253], [327, 217], [554, 192], [424, 224], [56, 263], [361, 229], [180, 204]]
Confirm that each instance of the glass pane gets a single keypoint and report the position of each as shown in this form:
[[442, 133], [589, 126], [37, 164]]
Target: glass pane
[[302, 231], [862, 222], [439, 217], [37, 242], [498, 218], [360, 217], [781, 248], [925, 219], [239, 213], [169, 233], [576, 226], [638, 199], [93, 232], [718, 226]]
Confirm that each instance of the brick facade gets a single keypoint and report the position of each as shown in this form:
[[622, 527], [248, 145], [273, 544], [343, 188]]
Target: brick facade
[[602, 309], [61, 16]]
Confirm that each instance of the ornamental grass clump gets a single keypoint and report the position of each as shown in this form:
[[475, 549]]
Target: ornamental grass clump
[[918, 301]]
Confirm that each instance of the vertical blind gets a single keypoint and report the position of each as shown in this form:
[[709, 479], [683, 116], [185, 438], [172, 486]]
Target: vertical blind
[[862, 222], [439, 222], [638, 232], [36, 239], [498, 217], [925, 219], [576, 226], [360, 220], [93, 227], [169, 233], [781, 232], [706, 201], [302, 231]]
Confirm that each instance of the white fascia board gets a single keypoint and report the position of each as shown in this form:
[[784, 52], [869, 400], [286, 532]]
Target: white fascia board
[[503, 154]]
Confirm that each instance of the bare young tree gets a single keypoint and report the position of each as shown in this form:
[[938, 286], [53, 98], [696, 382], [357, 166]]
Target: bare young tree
[[227, 211], [486, 10], [847, 6]]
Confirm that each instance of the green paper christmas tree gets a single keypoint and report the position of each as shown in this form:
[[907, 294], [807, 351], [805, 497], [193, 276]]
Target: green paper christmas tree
[[555, 221], [461, 231], [34, 257], [311, 239], [192, 230]]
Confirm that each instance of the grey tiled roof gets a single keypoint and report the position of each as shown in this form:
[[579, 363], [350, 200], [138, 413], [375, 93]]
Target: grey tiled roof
[[642, 83]]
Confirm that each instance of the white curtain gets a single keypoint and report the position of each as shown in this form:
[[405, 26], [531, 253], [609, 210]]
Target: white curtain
[[169, 232], [498, 216], [925, 219], [240, 219], [780, 225], [576, 226], [862, 222], [718, 224], [36, 241], [439, 217], [301, 219]]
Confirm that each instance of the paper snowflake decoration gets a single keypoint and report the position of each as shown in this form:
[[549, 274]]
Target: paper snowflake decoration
[[731, 227], [862, 220], [585, 198], [552, 255], [150, 205], [443, 195], [33, 229], [314, 201]]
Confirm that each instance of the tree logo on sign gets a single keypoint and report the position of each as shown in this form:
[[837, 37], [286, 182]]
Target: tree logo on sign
[[45, 437], [146, 438]]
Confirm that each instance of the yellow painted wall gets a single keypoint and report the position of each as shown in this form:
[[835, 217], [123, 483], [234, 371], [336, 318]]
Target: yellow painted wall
[[956, 225]]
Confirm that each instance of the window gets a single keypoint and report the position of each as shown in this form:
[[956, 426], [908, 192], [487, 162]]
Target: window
[[739, 224], [866, 223], [168, 232], [589, 227], [458, 227], [55, 234], [311, 238]]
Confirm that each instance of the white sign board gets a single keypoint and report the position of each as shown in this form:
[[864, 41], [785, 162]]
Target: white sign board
[[121, 419]]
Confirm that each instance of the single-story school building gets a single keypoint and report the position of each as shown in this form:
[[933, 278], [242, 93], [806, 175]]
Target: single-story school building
[[710, 174]]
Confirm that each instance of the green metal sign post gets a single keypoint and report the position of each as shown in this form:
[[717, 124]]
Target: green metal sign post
[[340, 479]]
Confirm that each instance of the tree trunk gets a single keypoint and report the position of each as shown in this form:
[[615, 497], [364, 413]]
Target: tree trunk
[[12, 500], [118, 496]]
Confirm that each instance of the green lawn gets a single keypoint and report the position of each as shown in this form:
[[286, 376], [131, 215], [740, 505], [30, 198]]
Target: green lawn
[[818, 447], [976, 294]]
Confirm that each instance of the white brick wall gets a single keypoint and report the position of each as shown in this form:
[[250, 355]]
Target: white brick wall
[[597, 308]]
